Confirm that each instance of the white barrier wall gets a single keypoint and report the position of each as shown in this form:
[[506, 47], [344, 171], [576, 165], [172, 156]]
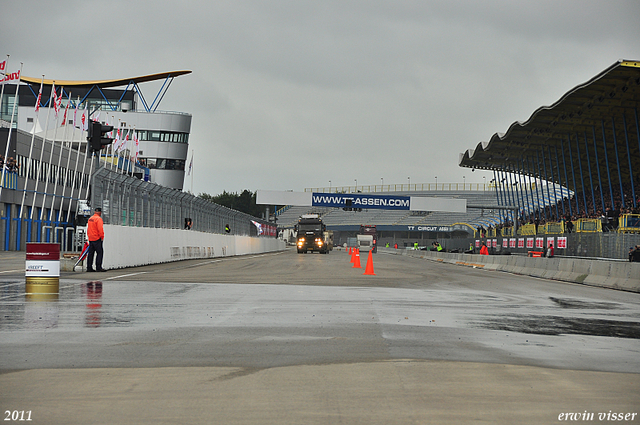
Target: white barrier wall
[[137, 246], [609, 274]]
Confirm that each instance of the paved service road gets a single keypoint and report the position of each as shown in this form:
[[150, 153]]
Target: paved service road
[[287, 338]]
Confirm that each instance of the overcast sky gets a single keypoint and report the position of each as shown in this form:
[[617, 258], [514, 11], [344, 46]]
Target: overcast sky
[[287, 95]]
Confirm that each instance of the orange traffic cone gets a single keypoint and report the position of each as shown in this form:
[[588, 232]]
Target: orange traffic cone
[[350, 253], [369, 269], [356, 260], [353, 255]]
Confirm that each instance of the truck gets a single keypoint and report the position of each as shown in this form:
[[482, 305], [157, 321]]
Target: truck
[[371, 239], [312, 234]]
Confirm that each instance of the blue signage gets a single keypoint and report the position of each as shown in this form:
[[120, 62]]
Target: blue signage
[[357, 200]]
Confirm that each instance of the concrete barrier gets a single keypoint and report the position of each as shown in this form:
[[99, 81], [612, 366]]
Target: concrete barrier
[[139, 246], [608, 274]]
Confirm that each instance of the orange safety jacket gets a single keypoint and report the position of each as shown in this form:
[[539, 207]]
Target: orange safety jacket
[[95, 228]]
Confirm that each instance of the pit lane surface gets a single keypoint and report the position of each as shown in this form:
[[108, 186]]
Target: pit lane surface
[[309, 339]]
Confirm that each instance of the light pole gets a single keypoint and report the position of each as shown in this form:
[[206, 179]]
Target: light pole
[[356, 180], [409, 183], [436, 182], [329, 186], [464, 182]]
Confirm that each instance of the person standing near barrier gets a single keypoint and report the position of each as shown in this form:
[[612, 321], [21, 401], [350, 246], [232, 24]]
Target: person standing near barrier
[[634, 254], [95, 234], [484, 250], [550, 251]]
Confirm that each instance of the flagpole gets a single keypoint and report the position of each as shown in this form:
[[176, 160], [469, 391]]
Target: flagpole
[[57, 177], [64, 140], [6, 66], [75, 172], [116, 147], [44, 140], [13, 111], [53, 145], [113, 118], [191, 170], [91, 165], [33, 136], [86, 152]]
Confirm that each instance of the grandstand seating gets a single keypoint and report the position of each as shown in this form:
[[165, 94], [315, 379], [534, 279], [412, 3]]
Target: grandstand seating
[[475, 217]]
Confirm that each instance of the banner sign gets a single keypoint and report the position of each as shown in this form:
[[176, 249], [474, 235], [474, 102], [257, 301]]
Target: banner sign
[[551, 241], [429, 228], [562, 242], [354, 200]]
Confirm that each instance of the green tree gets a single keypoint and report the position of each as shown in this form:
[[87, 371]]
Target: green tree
[[244, 202]]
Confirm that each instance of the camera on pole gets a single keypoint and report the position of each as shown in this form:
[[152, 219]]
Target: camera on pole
[[96, 136]]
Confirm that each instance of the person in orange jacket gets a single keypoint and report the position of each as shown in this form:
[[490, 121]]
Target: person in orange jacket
[[95, 234], [484, 250]]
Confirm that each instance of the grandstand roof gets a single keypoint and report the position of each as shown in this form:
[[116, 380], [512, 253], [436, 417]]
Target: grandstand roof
[[106, 83], [607, 102]]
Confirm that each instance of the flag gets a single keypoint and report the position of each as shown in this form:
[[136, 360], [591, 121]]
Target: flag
[[125, 143], [83, 254], [11, 76], [3, 64], [190, 165], [83, 120], [136, 141], [64, 118], [59, 103], [39, 96], [116, 142], [54, 99]]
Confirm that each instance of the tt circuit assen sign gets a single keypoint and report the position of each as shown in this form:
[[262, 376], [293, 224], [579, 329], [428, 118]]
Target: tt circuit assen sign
[[360, 201]]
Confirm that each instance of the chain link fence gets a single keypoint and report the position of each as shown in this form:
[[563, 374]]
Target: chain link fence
[[128, 201]]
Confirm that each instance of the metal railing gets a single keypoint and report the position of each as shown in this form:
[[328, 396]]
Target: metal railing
[[629, 223], [127, 201], [406, 187]]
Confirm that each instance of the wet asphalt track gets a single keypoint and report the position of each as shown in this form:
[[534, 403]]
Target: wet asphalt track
[[284, 309]]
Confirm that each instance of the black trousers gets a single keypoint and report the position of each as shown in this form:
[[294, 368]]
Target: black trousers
[[95, 247]]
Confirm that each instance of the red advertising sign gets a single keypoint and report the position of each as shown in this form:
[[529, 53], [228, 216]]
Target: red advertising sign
[[43, 251]]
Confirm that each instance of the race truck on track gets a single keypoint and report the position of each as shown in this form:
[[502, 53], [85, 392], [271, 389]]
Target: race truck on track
[[311, 234]]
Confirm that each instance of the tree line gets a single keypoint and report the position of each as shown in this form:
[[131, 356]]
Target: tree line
[[244, 202]]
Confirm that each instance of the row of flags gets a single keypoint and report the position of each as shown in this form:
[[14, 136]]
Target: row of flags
[[81, 121]]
